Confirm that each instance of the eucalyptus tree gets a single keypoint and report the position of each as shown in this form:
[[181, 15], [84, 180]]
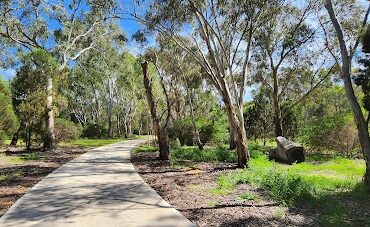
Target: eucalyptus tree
[[347, 20], [161, 131], [181, 75], [28, 90], [221, 36], [8, 121], [66, 31], [285, 42]]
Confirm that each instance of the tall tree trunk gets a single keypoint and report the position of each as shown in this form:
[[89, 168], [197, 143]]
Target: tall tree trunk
[[196, 132], [277, 109], [49, 142], [238, 129], [346, 58], [128, 127], [232, 141], [161, 135], [110, 126], [16, 137]]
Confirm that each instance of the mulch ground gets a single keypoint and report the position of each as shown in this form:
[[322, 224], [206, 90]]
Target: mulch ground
[[26, 174], [188, 189]]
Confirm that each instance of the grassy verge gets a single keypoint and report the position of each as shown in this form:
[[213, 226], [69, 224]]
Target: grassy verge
[[327, 187], [89, 143], [330, 186]]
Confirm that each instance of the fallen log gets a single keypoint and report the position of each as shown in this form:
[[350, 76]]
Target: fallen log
[[287, 151]]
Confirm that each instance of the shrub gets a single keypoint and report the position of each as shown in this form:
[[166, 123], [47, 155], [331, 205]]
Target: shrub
[[343, 140], [174, 143], [210, 131], [207, 154], [285, 188], [334, 133], [94, 131], [8, 120], [66, 130], [183, 131], [255, 150]]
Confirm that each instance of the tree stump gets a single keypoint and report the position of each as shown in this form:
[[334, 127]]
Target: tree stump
[[287, 151]]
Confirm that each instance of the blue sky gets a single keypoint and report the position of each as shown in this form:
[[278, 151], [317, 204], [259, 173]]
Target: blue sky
[[129, 27]]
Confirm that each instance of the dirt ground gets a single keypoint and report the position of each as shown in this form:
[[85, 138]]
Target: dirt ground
[[189, 190], [17, 177]]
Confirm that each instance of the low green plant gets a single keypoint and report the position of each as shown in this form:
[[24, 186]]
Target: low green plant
[[279, 213], [248, 196], [255, 150], [206, 155], [31, 156], [7, 178], [145, 148], [286, 188]]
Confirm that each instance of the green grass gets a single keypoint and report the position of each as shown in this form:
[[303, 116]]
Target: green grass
[[88, 143], [145, 148], [324, 183], [208, 154], [322, 186], [7, 178], [248, 196], [10, 159], [31, 156], [19, 143]]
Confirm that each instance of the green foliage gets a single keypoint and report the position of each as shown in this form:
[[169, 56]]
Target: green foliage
[[66, 130], [248, 196], [212, 127], [288, 184], [206, 155], [334, 133], [94, 131], [7, 178], [255, 150], [182, 130], [286, 188], [29, 93], [8, 120], [145, 148], [31, 156]]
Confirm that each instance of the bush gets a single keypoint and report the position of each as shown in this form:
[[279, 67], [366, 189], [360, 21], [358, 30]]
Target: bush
[[334, 133], [94, 131], [66, 130], [210, 131], [8, 120], [205, 155], [285, 188], [255, 150], [174, 143], [183, 131]]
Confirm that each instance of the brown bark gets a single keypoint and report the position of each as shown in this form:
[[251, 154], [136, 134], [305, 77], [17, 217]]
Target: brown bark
[[49, 142], [232, 141], [238, 130], [15, 137], [161, 135], [196, 132], [346, 59]]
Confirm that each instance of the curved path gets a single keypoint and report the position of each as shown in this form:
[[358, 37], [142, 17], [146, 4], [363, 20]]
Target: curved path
[[99, 188]]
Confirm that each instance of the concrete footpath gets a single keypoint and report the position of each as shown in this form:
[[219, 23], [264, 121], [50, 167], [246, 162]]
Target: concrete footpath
[[99, 188]]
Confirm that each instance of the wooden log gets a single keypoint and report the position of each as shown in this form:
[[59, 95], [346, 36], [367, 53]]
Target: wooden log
[[287, 151]]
